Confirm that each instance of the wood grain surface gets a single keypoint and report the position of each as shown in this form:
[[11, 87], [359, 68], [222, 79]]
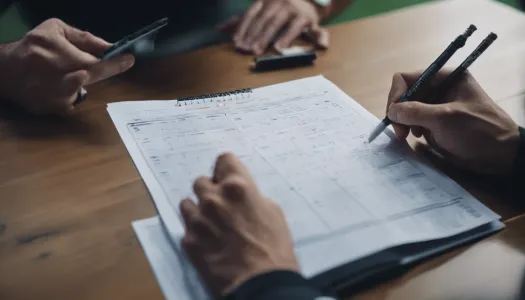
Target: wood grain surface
[[69, 189]]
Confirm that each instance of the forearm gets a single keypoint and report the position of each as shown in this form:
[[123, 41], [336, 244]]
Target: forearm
[[518, 170], [277, 285]]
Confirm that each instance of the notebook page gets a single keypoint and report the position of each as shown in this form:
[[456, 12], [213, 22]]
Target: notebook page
[[305, 143]]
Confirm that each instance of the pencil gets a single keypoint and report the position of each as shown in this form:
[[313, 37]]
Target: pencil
[[426, 76], [450, 80]]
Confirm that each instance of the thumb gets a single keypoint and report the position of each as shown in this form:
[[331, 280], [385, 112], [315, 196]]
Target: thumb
[[415, 113], [85, 41], [319, 36]]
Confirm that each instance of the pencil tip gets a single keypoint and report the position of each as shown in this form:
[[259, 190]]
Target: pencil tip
[[376, 132]]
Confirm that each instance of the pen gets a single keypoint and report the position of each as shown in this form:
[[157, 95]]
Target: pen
[[453, 77], [426, 76]]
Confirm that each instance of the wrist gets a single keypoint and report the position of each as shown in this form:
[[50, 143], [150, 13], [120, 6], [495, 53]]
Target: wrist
[[256, 272], [275, 284]]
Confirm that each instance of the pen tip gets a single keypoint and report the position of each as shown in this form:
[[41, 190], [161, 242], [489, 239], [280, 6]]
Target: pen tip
[[377, 131]]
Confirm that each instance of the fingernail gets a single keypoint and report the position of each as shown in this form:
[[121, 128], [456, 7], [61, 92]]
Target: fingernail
[[128, 61]]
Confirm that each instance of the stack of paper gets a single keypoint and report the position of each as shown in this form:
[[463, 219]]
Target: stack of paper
[[305, 142]]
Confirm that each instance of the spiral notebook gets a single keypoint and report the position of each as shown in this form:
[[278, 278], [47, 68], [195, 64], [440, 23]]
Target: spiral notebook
[[355, 209]]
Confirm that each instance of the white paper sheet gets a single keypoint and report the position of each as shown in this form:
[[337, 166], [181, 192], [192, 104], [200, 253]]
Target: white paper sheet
[[305, 143], [167, 265]]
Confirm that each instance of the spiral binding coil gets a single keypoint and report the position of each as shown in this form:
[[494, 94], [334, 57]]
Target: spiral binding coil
[[218, 97]]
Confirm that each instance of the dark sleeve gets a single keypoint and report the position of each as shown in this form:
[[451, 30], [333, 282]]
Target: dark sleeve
[[4, 4], [277, 285], [518, 170]]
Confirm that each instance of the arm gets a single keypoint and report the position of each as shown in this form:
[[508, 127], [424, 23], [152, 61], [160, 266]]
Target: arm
[[518, 168], [276, 285]]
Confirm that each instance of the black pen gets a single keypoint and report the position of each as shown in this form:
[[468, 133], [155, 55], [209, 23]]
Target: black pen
[[427, 76], [452, 78]]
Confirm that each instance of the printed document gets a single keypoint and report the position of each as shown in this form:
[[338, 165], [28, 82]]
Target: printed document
[[305, 143]]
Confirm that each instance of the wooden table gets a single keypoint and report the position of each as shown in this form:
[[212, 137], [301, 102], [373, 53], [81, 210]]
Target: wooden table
[[69, 188]]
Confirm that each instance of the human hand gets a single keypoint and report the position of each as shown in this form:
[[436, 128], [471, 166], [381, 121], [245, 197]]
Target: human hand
[[234, 233], [466, 127], [266, 18], [44, 70]]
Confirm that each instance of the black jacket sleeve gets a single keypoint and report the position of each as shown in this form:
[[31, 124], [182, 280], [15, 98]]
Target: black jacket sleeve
[[278, 285], [518, 170]]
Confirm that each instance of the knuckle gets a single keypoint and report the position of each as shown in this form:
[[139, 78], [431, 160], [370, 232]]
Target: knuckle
[[189, 241], [251, 12], [450, 111], [235, 186], [196, 222], [211, 205], [37, 37], [199, 183], [397, 76], [54, 21], [410, 112], [33, 56], [83, 35]]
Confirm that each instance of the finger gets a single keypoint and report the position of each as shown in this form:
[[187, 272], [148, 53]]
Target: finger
[[69, 58], [318, 36], [195, 222], [401, 131], [415, 113], [67, 94], [417, 131], [85, 41], [230, 24], [189, 212], [397, 89], [434, 145], [247, 19], [203, 185], [256, 29], [235, 188], [295, 29], [228, 164], [73, 82], [323, 38], [271, 30], [111, 67]]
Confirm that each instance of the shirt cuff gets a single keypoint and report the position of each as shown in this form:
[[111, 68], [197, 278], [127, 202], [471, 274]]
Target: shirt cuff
[[277, 285]]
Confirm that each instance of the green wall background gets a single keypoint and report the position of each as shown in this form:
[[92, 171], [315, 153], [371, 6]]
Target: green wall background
[[12, 27]]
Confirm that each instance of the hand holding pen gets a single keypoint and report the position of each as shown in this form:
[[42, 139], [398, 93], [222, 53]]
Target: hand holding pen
[[458, 119], [426, 77]]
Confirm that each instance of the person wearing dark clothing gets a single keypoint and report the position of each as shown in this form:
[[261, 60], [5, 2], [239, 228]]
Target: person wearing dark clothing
[[71, 36]]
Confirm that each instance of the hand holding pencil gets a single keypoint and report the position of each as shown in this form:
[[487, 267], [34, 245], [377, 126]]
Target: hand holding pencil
[[465, 126]]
